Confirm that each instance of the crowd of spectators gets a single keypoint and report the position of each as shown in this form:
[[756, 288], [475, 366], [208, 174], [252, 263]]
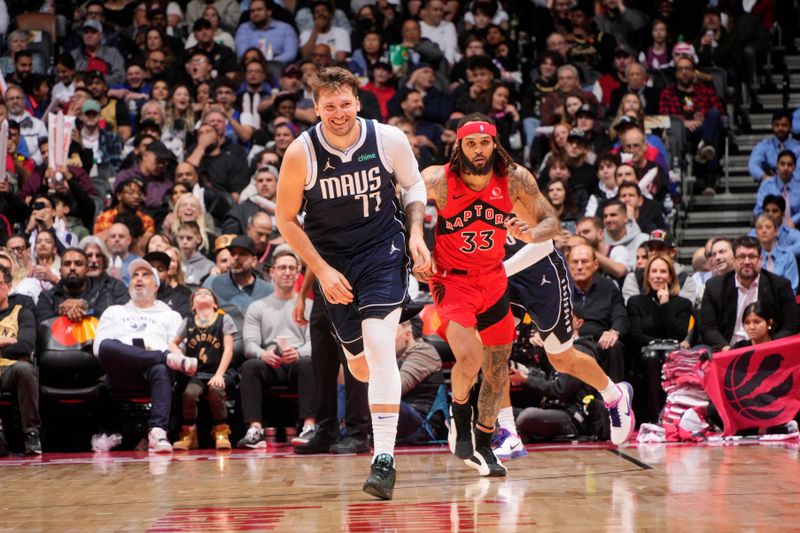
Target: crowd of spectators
[[183, 111]]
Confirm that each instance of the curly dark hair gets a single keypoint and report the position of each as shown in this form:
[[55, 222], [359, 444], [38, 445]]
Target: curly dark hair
[[503, 162]]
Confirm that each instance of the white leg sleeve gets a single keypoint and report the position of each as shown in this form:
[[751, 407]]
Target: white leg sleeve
[[384, 375]]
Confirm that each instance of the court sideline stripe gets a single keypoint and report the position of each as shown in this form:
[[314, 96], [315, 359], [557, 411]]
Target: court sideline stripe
[[637, 462]]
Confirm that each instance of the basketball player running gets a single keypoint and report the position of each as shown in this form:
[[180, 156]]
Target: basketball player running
[[343, 172], [475, 194], [539, 285]]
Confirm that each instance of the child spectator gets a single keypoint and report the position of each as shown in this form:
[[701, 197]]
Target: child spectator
[[758, 321], [209, 339], [196, 265]]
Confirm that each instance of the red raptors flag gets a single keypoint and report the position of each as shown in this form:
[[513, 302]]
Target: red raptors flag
[[756, 386]]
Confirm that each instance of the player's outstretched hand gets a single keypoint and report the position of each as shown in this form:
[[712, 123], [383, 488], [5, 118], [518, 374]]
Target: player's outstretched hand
[[518, 228], [335, 287], [423, 265]]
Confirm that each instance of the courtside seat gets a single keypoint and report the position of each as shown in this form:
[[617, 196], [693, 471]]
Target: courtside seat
[[64, 369]]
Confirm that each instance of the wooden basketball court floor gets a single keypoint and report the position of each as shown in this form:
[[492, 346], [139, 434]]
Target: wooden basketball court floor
[[568, 487]]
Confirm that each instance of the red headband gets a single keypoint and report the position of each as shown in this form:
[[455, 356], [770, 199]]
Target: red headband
[[476, 127]]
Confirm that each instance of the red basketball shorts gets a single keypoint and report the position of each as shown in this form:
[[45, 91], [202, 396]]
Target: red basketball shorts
[[475, 300]]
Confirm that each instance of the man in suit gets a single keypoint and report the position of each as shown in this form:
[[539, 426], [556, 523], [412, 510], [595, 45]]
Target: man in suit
[[721, 321], [636, 83]]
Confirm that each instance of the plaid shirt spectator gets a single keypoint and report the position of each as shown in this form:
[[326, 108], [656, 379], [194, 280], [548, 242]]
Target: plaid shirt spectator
[[704, 99]]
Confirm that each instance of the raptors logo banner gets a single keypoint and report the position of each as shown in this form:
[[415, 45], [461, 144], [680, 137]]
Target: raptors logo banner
[[756, 386]]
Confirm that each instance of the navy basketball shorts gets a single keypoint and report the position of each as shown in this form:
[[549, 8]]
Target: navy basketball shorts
[[379, 278], [543, 290]]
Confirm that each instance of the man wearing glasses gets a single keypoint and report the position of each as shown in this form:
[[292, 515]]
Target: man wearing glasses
[[721, 320], [278, 352], [634, 142]]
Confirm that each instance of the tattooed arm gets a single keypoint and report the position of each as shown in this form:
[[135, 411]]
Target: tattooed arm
[[537, 221], [436, 183]]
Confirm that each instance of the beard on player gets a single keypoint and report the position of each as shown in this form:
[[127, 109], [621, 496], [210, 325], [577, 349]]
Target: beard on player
[[480, 169]]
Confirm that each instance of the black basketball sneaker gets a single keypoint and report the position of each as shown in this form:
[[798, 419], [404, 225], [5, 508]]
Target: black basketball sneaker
[[459, 435], [483, 459], [380, 482]]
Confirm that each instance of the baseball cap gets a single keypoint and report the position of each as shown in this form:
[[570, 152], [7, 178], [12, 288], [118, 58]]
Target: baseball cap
[[94, 75], [161, 151], [685, 49], [155, 8], [623, 49], [420, 65], [272, 169], [223, 241], [585, 109], [244, 242], [576, 134], [93, 24], [140, 263], [625, 122], [660, 236], [90, 105], [158, 257], [292, 70]]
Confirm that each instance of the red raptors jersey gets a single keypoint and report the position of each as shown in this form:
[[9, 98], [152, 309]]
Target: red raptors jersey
[[470, 232]]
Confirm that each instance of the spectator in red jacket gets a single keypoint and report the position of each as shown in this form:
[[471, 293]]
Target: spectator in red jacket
[[701, 111], [381, 84]]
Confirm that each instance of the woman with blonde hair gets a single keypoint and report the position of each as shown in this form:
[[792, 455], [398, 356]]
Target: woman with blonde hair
[[658, 314], [11, 261], [630, 106], [189, 209], [175, 269]]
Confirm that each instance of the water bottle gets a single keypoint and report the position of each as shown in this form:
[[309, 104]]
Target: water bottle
[[270, 436], [116, 268], [291, 432]]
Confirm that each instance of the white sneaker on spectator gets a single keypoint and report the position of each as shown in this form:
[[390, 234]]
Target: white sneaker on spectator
[[253, 439], [304, 436], [507, 445], [181, 363], [158, 441]]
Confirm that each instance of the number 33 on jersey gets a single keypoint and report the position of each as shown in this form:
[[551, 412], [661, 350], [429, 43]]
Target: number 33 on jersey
[[470, 232]]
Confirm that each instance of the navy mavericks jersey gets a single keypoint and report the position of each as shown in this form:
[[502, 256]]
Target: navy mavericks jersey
[[349, 198]]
